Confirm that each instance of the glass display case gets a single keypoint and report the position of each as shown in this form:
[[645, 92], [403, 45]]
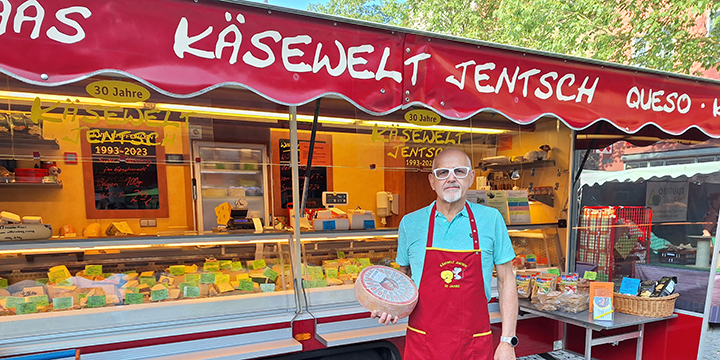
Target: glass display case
[[232, 173]]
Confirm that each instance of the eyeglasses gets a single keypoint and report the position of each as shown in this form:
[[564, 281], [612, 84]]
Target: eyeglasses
[[460, 172]]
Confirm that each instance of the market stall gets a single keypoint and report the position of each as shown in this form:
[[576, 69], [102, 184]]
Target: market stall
[[197, 175]]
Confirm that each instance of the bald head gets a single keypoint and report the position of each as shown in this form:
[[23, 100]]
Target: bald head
[[450, 153]]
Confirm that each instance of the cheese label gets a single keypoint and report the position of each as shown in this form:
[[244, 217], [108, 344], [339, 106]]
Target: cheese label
[[590, 275], [149, 281], [13, 302], [3, 283], [212, 266], [57, 276], [240, 277], [270, 274], [207, 278], [554, 271], [96, 301], [82, 296], [246, 285], [222, 278], [62, 303], [192, 278], [225, 265], [320, 283], [364, 261], [352, 269], [388, 284], [159, 295], [259, 264], [341, 254], [236, 266], [132, 289], [331, 273], [133, 298], [26, 308], [66, 282], [42, 281], [93, 270], [267, 287], [177, 270], [191, 292], [40, 300], [315, 271]]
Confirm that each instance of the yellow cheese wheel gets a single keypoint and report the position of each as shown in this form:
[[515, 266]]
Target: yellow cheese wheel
[[386, 290]]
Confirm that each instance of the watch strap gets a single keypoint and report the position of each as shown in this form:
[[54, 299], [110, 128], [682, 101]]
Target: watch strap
[[512, 340]]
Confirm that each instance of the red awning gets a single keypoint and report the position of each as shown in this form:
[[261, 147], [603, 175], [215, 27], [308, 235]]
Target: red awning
[[184, 48]]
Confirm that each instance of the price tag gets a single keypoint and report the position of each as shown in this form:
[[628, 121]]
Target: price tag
[[93, 270], [62, 303], [192, 278], [57, 276], [132, 289], [191, 292], [14, 302], [26, 308], [236, 266], [222, 278], [590, 275], [554, 271], [133, 298], [351, 269], [149, 281], [225, 265], [368, 224], [320, 283], [3, 283], [331, 273], [96, 301], [159, 295], [66, 282], [43, 281], [341, 254], [207, 278], [212, 266], [40, 300], [267, 287], [242, 277], [364, 261], [328, 225], [315, 271], [82, 296], [270, 274], [629, 286], [246, 285], [177, 270], [258, 264]]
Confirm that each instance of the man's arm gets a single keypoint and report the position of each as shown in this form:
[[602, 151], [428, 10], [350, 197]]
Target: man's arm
[[406, 270], [507, 293]]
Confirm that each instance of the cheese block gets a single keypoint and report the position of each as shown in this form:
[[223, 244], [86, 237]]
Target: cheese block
[[386, 290], [9, 217], [31, 220]]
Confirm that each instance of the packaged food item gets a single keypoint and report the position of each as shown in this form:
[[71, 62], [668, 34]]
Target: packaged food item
[[665, 287], [568, 282], [524, 286], [574, 302], [647, 287], [544, 284], [549, 301], [530, 262]]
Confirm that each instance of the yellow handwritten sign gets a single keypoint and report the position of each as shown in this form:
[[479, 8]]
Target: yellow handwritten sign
[[422, 117], [118, 91]]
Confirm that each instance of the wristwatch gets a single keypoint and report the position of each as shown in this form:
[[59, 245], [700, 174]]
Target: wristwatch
[[512, 340]]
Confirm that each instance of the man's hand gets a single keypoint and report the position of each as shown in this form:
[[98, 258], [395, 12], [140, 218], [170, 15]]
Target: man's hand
[[384, 318], [504, 351]]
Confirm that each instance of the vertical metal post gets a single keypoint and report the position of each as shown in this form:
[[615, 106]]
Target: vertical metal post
[[573, 207], [588, 344], [638, 352], [295, 241], [709, 295]]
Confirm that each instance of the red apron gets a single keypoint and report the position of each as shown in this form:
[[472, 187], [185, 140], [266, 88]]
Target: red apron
[[451, 319]]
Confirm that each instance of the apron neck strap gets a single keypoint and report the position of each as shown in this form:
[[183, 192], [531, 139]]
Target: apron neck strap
[[473, 227]]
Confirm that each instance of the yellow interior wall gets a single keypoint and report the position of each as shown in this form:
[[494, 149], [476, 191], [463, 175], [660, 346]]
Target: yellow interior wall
[[353, 155], [66, 205]]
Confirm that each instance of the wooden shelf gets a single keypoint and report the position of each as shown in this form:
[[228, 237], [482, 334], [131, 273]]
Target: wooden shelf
[[30, 185], [519, 166], [28, 143]]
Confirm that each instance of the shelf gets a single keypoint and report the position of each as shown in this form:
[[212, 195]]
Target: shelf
[[231, 197], [28, 143], [230, 171], [30, 185], [548, 200], [519, 166]]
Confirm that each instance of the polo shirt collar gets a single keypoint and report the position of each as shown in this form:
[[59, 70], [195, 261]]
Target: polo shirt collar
[[462, 212]]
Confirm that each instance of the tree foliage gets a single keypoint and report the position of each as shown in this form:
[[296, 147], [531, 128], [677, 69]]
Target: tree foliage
[[668, 35]]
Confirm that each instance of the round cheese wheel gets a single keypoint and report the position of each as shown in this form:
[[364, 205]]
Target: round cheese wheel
[[386, 290]]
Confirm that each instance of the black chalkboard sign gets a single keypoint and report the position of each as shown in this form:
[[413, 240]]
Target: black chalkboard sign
[[318, 180], [125, 178]]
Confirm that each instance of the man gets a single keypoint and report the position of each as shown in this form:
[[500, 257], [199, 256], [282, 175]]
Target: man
[[449, 249], [711, 216]]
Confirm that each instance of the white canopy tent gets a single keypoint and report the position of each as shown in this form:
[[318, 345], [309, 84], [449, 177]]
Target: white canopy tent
[[707, 172]]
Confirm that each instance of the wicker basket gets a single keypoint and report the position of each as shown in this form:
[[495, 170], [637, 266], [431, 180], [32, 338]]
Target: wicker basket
[[641, 306]]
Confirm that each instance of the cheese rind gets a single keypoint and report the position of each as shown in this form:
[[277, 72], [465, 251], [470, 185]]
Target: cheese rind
[[386, 290]]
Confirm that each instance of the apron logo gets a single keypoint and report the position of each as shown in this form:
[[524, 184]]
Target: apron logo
[[449, 276]]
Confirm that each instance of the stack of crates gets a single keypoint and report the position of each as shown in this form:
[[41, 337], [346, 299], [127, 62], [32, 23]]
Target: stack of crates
[[607, 229]]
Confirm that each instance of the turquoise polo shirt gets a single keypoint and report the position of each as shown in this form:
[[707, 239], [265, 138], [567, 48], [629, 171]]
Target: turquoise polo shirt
[[454, 235]]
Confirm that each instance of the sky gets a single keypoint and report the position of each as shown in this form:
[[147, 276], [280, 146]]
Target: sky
[[295, 4]]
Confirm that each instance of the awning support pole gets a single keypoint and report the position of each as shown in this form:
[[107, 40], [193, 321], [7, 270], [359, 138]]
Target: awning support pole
[[295, 247]]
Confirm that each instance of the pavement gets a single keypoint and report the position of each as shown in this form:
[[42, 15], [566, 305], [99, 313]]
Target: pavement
[[712, 343]]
